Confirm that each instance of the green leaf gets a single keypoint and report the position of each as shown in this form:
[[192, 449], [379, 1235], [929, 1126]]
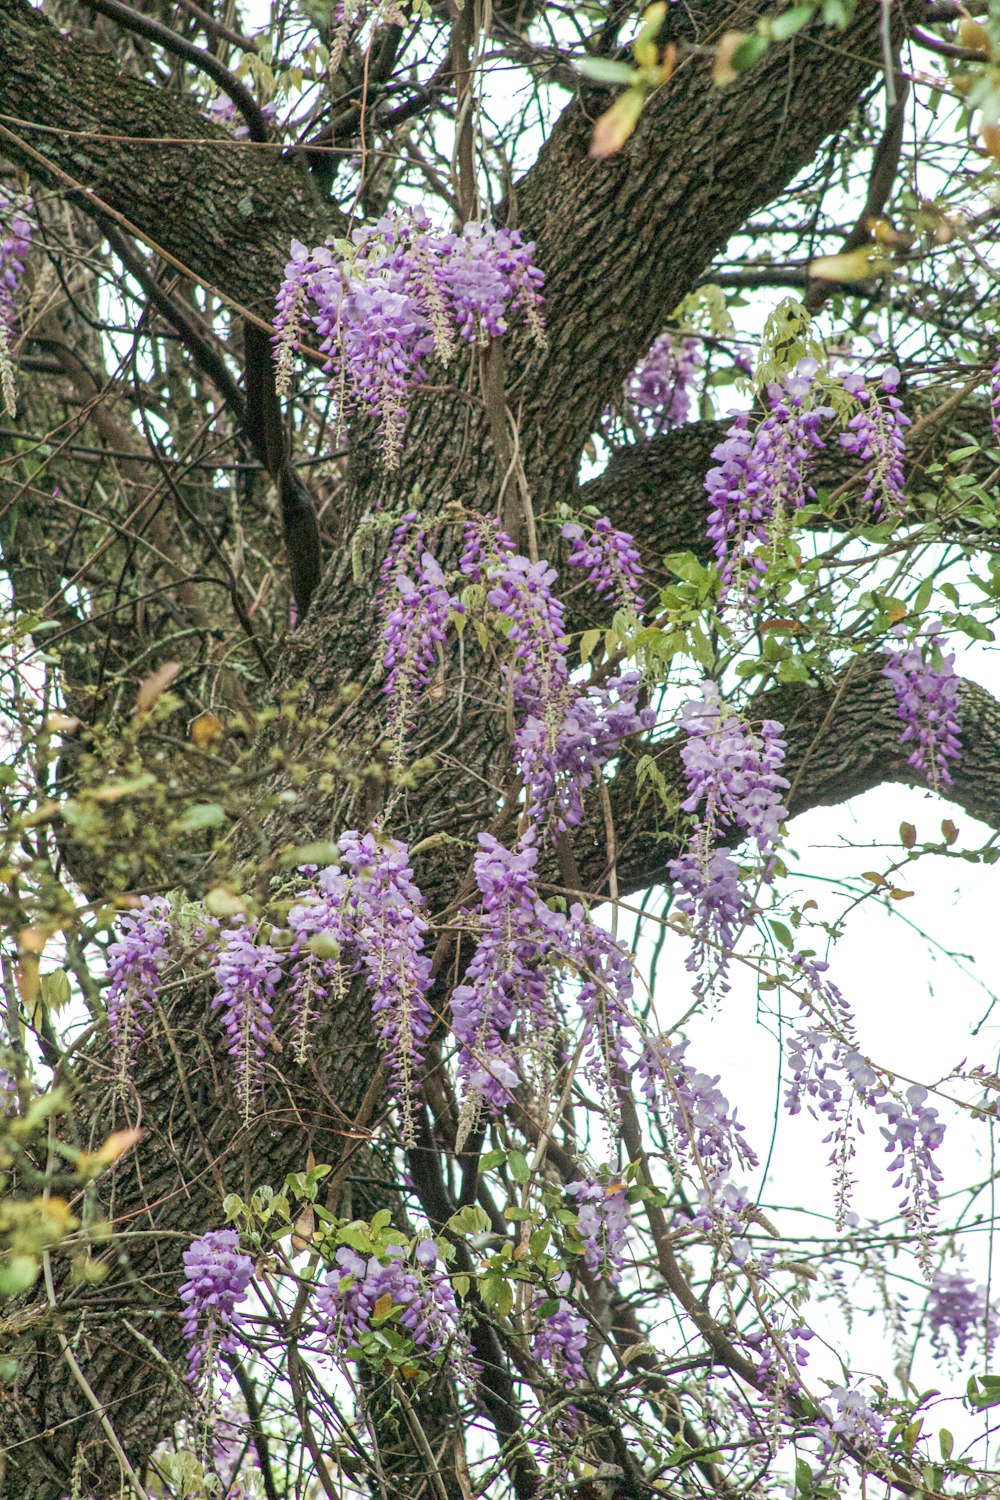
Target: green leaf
[[201, 815], [791, 21], [803, 1477], [519, 1169], [782, 933], [923, 596], [946, 1443], [588, 641], [606, 70], [17, 1274], [749, 51]]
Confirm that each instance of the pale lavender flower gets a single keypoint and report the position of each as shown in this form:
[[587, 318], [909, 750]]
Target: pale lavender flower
[[568, 731], [612, 562], [15, 242], [658, 392], [560, 1335], [414, 631], [421, 1301], [733, 778], [217, 1276], [389, 929], [247, 974], [603, 1225], [136, 960], [877, 435], [958, 1313], [402, 293], [926, 687], [762, 477]]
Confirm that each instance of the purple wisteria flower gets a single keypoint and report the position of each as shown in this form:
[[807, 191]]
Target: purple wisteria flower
[[222, 111], [958, 1314], [659, 391], [995, 398], [762, 477], [603, 1225], [389, 932], [399, 291], [217, 1277], [848, 1414], [414, 632], [529, 964], [560, 1334], [247, 972], [733, 777], [612, 562], [877, 435], [705, 1136], [506, 972], [568, 731], [15, 242], [364, 1294], [926, 687], [136, 960]]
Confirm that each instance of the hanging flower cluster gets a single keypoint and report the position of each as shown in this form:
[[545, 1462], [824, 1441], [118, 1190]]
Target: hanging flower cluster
[[763, 472], [136, 960], [567, 731], [560, 1331], [512, 1001], [733, 776], [364, 1294], [395, 293], [416, 610], [611, 559], [924, 681], [15, 242], [659, 391], [834, 1077], [958, 1314], [246, 971], [602, 1223], [877, 435], [761, 477], [217, 1277], [366, 915]]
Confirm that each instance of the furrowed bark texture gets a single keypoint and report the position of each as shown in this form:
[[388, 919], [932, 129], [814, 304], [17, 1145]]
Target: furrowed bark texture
[[621, 242]]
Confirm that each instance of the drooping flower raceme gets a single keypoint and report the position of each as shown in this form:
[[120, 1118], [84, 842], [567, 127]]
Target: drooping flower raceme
[[363, 1294], [658, 392], [136, 960], [924, 681], [958, 1313], [877, 435], [602, 1224], [15, 242], [762, 477], [530, 964], [733, 777], [413, 633], [568, 731], [217, 1277], [247, 972], [560, 1334], [612, 562], [382, 302], [389, 929]]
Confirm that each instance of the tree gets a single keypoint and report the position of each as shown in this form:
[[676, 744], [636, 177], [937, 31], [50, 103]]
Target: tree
[[310, 1075]]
